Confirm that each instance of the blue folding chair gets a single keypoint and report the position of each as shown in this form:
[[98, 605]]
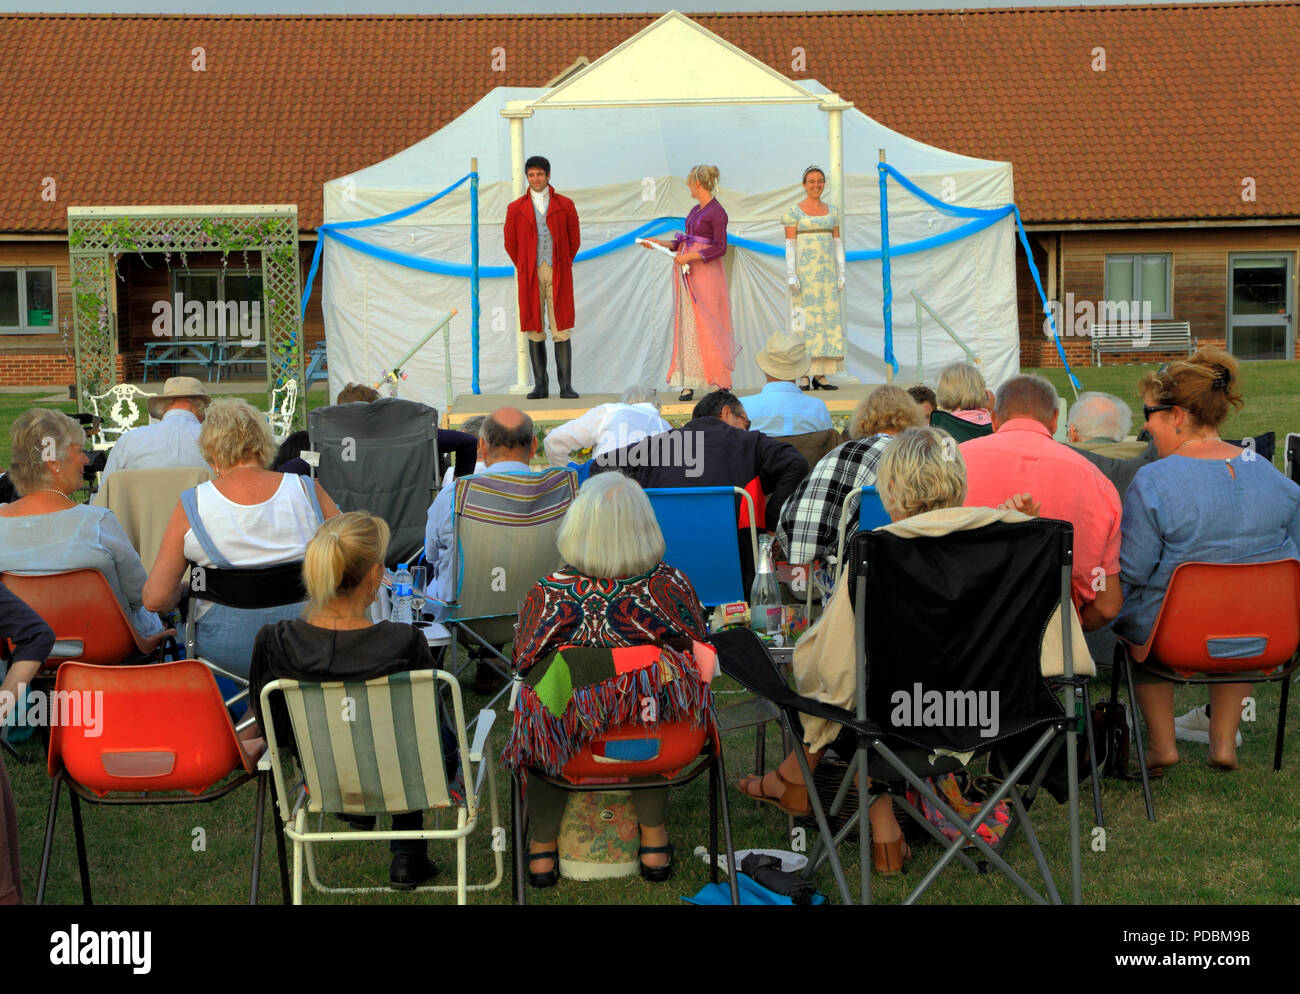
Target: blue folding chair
[[871, 514], [692, 520]]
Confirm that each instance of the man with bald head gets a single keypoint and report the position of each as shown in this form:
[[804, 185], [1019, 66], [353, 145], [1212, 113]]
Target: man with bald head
[[507, 441], [1021, 457]]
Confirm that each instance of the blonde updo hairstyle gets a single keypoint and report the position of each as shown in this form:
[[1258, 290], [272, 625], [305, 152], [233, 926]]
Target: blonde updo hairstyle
[[921, 470], [30, 439], [341, 554], [1205, 385], [706, 176], [235, 432], [887, 409]]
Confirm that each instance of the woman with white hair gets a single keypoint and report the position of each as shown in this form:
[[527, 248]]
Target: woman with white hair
[[47, 530], [615, 591], [607, 427], [963, 393]]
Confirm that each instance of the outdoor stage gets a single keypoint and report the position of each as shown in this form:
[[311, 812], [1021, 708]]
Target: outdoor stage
[[556, 410]]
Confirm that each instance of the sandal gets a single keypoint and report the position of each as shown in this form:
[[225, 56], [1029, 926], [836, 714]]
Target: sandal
[[656, 874], [786, 801], [888, 858], [551, 877]]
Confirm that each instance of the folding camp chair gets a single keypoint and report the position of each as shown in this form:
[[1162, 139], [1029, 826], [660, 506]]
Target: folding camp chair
[[694, 520], [1293, 457], [958, 428], [142, 501], [504, 528], [153, 730], [871, 514], [1002, 583], [1237, 623], [374, 748], [381, 457]]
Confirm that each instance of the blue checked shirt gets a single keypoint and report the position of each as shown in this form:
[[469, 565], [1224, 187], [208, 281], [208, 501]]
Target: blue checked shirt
[[781, 408]]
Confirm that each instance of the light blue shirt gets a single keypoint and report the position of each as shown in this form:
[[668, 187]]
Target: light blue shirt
[[781, 408], [171, 443], [438, 534], [80, 537], [1180, 510]]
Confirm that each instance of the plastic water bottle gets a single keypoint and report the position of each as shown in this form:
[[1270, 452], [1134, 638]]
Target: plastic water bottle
[[764, 595], [402, 593]]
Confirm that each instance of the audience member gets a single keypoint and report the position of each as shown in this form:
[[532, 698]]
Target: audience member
[[1098, 426], [924, 396], [46, 530], [335, 640], [506, 444], [471, 427], [247, 516], [608, 426], [716, 449], [963, 394], [614, 591], [174, 440], [32, 643], [781, 408], [1203, 500], [356, 393], [1021, 457], [288, 458], [808, 530], [921, 480]]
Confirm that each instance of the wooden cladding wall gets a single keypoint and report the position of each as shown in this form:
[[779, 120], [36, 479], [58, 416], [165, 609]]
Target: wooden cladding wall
[[1199, 257]]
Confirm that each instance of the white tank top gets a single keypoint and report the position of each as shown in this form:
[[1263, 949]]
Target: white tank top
[[275, 531]]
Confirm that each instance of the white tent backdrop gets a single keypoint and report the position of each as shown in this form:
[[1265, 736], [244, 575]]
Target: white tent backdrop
[[624, 167]]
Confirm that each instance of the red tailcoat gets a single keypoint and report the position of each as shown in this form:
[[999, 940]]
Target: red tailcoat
[[521, 245]]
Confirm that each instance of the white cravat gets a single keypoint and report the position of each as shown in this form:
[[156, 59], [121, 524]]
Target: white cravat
[[541, 200]]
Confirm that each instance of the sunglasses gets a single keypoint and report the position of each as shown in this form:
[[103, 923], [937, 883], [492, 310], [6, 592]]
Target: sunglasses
[[1148, 411]]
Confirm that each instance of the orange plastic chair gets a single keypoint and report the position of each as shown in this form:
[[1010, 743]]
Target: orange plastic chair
[[88, 621], [142, 731], [652, 757], [1220, 623]]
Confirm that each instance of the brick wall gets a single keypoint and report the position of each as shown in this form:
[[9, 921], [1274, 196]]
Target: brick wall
[[42, 369]]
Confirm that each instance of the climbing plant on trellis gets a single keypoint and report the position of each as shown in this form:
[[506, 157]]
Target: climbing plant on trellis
[[97, 236]]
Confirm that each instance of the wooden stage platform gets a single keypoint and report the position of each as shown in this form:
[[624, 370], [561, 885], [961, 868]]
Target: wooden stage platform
[[556, 410]]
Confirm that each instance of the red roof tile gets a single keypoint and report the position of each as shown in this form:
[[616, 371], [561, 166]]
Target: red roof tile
[[1192, 100]]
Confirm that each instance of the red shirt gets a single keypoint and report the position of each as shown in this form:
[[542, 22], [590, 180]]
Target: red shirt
[[1021, 457]]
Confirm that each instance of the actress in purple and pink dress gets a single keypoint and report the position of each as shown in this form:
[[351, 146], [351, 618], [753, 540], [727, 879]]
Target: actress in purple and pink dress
[[704, 350]]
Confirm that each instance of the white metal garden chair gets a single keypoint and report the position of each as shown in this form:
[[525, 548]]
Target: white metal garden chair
[[118, 412], [284, 402]]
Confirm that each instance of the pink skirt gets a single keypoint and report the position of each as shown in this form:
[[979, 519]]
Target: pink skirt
[[704, 351]]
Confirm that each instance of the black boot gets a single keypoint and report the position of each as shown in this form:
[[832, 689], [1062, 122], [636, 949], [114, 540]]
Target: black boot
[[537, 353], [564, 368]]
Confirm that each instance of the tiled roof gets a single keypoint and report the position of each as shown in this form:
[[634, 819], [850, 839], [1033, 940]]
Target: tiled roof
[[1193, 99]]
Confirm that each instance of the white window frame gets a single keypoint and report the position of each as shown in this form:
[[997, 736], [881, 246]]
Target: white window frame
[[25, 329], [1135, 260]]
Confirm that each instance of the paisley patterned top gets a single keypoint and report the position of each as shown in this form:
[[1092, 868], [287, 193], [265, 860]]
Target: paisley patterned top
[[570, 608]]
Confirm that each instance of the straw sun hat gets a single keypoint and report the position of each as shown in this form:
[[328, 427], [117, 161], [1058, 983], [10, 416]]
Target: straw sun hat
[[173, 389], [785, 358]]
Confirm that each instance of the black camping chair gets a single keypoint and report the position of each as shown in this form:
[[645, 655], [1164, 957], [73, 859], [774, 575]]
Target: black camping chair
[[961, 614], [380, 457], [962, 431]]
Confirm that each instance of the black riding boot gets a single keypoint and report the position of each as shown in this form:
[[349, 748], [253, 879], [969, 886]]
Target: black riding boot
[[541, 387], [564, 368]]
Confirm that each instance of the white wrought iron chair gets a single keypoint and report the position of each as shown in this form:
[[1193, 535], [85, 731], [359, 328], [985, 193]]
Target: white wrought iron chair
[[284, 402], [118, 412]]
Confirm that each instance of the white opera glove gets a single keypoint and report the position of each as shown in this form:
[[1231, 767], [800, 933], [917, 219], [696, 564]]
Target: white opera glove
[[790, 276], [839, 262]]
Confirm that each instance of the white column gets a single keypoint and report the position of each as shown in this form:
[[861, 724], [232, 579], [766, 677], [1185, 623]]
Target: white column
[[517, 184]]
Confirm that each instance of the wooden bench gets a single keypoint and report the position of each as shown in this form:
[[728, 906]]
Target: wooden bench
[[233, 352], [318, 364], [1155, 336], [178, 351]]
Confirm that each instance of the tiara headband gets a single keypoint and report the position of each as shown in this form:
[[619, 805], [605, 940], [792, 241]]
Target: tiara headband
[[812, 169]]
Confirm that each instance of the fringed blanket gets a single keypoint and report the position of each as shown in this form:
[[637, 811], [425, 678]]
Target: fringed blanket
[[576, 694]]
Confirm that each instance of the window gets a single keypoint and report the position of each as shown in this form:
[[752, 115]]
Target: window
[[1141, 277], [27, 301], [213, 286]]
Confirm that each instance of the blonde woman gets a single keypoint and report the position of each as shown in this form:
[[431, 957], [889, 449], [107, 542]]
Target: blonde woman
[[247, 516], [47, 530], [963, 393], [336, 640], [704, 351]]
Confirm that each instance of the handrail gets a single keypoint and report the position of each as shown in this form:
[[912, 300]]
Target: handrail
[[923, 304]]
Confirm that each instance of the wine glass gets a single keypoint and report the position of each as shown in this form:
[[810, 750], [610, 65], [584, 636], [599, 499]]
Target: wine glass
[[419, 578]]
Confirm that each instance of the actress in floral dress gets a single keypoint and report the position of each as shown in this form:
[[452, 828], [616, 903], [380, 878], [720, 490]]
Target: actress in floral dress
[[814, 263]]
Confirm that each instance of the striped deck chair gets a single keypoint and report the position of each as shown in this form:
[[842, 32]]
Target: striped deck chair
[[374, 748], [505, 526]]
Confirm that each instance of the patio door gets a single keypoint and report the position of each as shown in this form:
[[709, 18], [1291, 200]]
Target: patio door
[[1260, 306]]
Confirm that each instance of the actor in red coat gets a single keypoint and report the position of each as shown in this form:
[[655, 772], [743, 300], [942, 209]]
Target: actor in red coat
[[543, 257]]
